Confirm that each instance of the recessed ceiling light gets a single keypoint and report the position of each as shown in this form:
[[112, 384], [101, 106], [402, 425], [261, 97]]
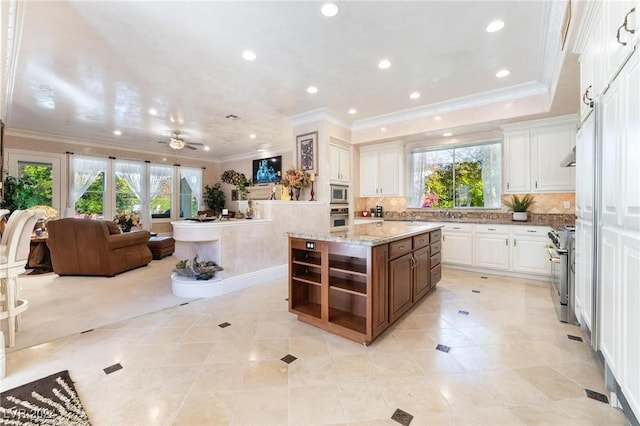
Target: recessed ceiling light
[[329, 9], [447, 134], [503, 73], [383, 129], [414, 95], [437, 118], [353, 111], [384, 64], [206, 148], [494, 26], [117, 132], [249, 55], [252, 135], [153, 111], [312, 89]]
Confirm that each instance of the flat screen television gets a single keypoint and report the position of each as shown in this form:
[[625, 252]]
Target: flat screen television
[[266, 170]]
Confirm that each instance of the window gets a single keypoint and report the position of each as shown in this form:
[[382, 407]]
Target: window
[[190, 191], [38, 183], [88, 186], [160, 190], [128, 183], [462, 176]]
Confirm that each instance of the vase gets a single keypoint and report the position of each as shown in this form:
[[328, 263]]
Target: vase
[[296, 193]]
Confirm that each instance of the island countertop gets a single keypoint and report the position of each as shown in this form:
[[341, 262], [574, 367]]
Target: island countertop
[[370, 234]]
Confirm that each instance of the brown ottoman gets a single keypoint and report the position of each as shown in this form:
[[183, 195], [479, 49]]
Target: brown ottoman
[[161, 247]]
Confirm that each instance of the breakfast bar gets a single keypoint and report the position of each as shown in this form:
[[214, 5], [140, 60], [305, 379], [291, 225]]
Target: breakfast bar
[[357, 282]]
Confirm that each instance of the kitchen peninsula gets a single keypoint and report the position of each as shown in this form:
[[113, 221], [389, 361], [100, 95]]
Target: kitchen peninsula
[[356, 283]]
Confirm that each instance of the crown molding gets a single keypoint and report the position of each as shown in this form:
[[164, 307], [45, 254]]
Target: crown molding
[[543, 122], [320, 114]]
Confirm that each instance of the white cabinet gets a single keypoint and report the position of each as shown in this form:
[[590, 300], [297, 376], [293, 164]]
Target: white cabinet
[[585, 161], [340, 158], [491, 246], [529, 250], [621, 148], [532, 154], [584, 272], [457, 244], [592, 67], [381, 168], [630, 327], [608, 295], [517, 164], [620, 32]]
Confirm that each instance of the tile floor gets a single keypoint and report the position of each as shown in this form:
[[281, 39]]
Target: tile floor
[[510, 362]]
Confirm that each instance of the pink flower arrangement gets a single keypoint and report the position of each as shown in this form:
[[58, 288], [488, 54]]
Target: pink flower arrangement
[[430, 200], [296, 178]]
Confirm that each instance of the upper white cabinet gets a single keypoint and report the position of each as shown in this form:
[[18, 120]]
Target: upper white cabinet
[[381, 168], [585, 160], [620, 33], [340, 158], [532, 154]]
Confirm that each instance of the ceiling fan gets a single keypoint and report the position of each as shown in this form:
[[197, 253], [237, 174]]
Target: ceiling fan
[[176, 142]]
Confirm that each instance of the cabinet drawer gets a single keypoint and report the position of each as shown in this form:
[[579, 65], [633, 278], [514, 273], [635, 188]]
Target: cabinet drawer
[[398, 248], [435, 247], [457, 227], [421, 240], [435, 259], [435, 236], [307, 245], [492, 229], [436, 275]]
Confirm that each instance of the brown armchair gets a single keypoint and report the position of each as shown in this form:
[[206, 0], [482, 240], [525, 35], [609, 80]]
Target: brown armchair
[[95, 247]]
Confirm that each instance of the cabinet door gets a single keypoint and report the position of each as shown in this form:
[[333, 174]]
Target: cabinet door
[[379, 290], [457, 248], [400, 279], [530, 255], [583, 272], [389, 172], [630, 151], [491, 251], [340, 164], [548, 146], [585, 162], [612, 134], [608, 294], [422, 269], [368, 174], [618, 40], [630, 324], [516, 162]]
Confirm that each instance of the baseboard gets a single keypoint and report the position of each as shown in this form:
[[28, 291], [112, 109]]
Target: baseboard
[[545, 279], [252, 279]]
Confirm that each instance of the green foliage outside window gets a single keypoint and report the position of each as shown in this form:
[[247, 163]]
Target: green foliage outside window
[[33, 187]]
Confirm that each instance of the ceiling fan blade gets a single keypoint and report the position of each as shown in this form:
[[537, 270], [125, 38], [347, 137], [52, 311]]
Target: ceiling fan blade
[[187, 145], [195, 143], [163, 142]]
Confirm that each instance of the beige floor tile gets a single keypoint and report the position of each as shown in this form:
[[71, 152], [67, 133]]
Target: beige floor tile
[[553, 384], [315, 405], [451, 337], [256, 407], [205, 409], [308, 346], [312, 371], [492, 416], [268, 349], [353, 369], [463, 391], [205, 334], [264, 374], [188, 353], [436, 362], [395, 364], [146, 410], [510, 388], [230, 351], [219, 377], [366, 401]]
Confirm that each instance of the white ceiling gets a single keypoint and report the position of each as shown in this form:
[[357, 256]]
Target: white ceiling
[[80, 70]]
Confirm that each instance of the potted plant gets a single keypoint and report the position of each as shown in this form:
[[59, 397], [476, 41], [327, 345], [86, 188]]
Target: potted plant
[[239, 180], [520, 206], [214, 197]]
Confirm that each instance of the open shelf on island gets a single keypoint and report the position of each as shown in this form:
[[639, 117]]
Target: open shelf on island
[[309, 308], [348, 320], [348, 286], [348, 267]]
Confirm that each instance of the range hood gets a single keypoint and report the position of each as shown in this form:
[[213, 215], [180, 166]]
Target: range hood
[[569, 160]]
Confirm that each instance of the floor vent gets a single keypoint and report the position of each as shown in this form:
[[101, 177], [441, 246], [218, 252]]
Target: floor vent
[[597, 396], [402, 417]]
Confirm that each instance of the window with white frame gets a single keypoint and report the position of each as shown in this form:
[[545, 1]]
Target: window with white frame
[[460, 176], [160, 190], [87, 186], [190, 191]]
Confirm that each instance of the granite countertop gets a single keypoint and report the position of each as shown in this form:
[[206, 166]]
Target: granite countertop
[[370, 234]]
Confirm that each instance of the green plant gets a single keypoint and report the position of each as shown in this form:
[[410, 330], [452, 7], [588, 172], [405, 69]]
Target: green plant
[[214, 197], [238, 179], [517, 204]]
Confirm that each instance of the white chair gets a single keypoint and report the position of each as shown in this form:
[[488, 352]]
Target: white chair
[[14, 254]]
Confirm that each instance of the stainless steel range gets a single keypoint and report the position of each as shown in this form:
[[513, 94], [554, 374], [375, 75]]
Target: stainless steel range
[[562, 258]]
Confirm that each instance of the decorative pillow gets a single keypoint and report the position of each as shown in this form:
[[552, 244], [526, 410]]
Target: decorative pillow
[[113, 227]]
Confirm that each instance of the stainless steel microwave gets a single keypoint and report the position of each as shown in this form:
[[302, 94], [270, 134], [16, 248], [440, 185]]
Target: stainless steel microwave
[[339, 194]]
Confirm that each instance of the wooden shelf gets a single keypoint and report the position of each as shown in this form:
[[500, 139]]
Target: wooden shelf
[[348, 286], [309, 278], [348, 320], [348, 268], [309, 308]]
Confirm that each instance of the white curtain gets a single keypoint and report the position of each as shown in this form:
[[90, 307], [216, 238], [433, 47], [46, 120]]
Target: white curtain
[[82, 172], [193, 177], [491, 175], [158, 174], [418, 168], [133, 173]]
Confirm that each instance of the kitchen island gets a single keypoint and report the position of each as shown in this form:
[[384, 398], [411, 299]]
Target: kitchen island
[[356, 283]]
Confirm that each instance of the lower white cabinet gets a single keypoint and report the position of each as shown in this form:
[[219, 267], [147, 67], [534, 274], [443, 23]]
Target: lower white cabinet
[[457, 243], [491, 246], [513, 248], [529, 250], [584, 272]]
